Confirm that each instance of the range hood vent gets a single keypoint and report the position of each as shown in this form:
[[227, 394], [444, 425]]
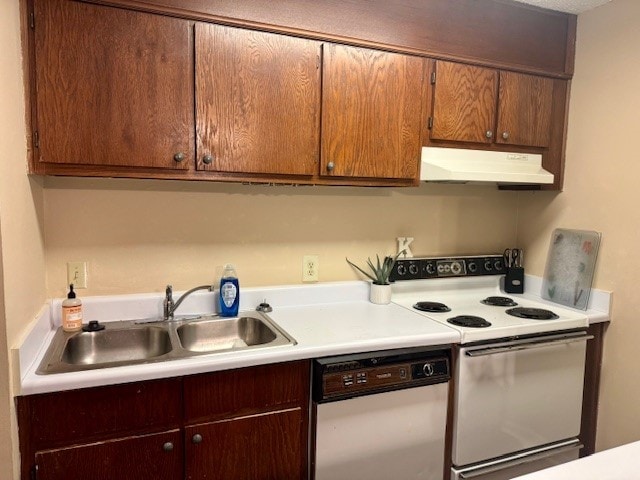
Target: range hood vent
[[483, 166]]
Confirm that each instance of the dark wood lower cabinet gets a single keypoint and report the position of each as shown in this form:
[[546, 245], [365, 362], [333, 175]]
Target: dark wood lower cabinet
[[258, 447], [148, 457], [250, 423]]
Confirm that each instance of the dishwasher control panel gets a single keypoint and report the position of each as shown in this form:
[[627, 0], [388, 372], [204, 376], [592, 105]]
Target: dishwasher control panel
[[362, 374]]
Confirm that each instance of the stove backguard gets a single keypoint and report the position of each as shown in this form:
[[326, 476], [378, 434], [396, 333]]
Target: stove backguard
[[442, 267]]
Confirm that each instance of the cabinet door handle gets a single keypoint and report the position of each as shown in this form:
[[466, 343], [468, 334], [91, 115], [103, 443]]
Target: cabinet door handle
[[330, 166], [207, 159], [178, 157], [197, 438], [167, 447], [489, 134], [505, 135]]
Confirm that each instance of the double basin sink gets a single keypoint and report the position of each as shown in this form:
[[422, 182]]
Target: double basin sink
[[135, 342]]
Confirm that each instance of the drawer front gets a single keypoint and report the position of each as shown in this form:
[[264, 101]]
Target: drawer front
[[235, 393], [62, 418]]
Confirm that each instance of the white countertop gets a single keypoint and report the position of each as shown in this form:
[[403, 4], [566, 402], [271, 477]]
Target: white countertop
[[620, 463], [325, 319]]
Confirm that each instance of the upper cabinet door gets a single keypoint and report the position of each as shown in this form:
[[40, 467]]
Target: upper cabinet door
[[464, 103], [371, 113], [524, 110], [258, 101], [113, 87]]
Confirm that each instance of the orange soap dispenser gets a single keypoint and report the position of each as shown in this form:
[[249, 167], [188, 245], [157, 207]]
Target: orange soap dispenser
[[72, 312]]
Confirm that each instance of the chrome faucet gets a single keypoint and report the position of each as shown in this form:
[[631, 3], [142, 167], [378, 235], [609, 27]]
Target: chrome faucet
[[170, 306]]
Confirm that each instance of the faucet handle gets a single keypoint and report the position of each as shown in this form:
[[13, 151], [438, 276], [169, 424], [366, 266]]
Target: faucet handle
[[169, 291]]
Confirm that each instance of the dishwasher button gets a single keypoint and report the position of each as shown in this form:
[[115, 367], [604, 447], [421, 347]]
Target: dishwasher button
[[347, 380], [403, 373], [361, 377]]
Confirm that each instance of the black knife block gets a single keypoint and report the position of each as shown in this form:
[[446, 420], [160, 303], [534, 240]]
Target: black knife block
[[514, 281]]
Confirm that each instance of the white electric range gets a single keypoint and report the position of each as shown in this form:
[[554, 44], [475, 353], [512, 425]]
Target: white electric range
[[520, 367], [445, 299]]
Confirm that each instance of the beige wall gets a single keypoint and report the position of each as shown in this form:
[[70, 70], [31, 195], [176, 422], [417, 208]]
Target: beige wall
[[602, 193], [139, 235], [22, 247]]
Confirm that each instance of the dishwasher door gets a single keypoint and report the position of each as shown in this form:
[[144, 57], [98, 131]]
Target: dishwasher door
[[385, 436]]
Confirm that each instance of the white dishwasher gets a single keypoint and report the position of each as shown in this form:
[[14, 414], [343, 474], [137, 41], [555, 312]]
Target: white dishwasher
[[381, 415]]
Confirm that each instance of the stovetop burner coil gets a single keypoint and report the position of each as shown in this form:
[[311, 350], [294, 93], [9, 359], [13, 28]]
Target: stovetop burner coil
[[499, 301], [433, 307], [532, 313], [469, 321]]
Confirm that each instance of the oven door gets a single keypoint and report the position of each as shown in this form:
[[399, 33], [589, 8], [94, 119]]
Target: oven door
[[514, 396]]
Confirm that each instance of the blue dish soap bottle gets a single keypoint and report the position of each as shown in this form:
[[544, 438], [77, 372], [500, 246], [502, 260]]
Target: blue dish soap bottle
[[229, 292]]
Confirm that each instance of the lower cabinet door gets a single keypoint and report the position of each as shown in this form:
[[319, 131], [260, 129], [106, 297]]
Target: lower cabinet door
[[269, 446], [148, 457]]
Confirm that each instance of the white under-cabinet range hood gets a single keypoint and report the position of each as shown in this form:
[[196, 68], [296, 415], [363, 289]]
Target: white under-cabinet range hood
[[463, 165]]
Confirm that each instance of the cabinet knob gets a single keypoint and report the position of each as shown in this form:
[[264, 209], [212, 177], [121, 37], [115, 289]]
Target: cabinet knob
[[505, 135], [167, 447], [330, 166], [489, 134], [178, 157], [207, 159], [197, 438]]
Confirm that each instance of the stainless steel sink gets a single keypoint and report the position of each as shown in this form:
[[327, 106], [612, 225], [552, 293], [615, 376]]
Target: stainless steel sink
[[229, 334], [111, 346], [135, 342]]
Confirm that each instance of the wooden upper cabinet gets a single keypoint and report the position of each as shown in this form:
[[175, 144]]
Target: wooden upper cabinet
[[371, 113], [524, 110], [464, 103], [113, 87], [258, 101], [484, 105]]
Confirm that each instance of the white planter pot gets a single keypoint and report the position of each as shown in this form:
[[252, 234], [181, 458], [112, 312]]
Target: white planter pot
[[380, 294]]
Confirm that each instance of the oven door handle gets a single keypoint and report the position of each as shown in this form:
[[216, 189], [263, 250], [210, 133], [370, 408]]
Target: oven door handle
[[493, 467], [526, 346]]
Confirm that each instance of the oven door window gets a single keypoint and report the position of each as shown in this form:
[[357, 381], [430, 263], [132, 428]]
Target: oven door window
[[512, 400]]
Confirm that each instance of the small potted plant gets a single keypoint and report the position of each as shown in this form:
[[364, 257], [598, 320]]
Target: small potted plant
[[380, 292]]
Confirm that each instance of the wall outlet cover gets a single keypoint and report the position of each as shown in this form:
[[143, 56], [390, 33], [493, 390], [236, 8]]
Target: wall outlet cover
[[310, 268]]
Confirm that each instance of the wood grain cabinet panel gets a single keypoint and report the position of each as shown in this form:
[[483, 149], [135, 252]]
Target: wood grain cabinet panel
[[464, 103], [371, 113], [253, 423], [113, 87], [245, 391], [149, 457], [524, 110], [265, 447], [258, 101], [92, 414], [487, 106]]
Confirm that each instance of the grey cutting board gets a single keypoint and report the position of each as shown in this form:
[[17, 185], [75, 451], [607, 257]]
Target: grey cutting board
[[570, 266]]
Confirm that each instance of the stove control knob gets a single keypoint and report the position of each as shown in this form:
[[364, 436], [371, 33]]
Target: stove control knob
[[473, 267], [487, 266], [402, 270], [456, 268], [498, 265], [413, 269], [430, 269], [427, 369]]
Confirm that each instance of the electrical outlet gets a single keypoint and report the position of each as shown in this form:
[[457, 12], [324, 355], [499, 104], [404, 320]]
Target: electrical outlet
[[77, 274], [310, 267]]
